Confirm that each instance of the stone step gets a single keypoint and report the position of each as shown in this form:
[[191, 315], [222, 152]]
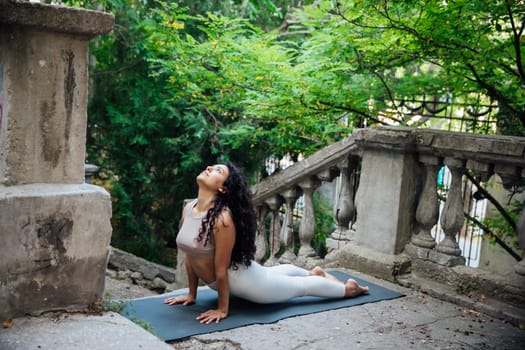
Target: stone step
[[61, 331]]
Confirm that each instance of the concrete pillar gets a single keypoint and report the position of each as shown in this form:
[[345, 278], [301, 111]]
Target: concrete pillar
[[54, 228], [387, 190]]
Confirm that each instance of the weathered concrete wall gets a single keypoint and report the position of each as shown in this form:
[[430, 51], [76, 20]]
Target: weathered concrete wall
[[43, 129], [54, 229], [43, 90], [54, 246]]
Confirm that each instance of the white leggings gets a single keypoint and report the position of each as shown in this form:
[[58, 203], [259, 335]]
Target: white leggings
[[262, 284]]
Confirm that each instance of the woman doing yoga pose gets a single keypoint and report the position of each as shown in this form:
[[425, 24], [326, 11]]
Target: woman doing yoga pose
[[218, 237]]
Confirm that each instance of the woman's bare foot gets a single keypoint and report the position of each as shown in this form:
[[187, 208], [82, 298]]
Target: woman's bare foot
[[318, 271], [353, 289]]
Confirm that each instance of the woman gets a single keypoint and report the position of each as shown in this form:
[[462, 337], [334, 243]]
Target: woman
[[218, 237]]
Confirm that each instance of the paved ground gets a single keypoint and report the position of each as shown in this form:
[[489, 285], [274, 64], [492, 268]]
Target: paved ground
[[416, 321]]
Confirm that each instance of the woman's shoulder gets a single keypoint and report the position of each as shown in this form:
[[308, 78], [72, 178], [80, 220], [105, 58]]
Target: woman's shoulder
[[189, 204], [226, 216], [187, 207]]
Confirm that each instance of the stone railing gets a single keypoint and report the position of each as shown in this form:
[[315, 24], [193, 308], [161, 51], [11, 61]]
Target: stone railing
[[396, 204], [287, 186]]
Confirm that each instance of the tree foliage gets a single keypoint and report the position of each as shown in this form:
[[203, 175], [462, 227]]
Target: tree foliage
[[352, 62], [401, 49], [149, 140], [178, 85]]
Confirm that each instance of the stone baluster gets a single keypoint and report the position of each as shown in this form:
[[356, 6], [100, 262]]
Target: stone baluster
[[261, 246], [287, 237], [344, 209], [453, 216], [274, 204], [520, 267], [427, 212], [307, 225]]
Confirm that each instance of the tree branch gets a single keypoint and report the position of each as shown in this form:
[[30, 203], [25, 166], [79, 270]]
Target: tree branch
[[498, 240], [516, 39], [492, 200], [491, 89]]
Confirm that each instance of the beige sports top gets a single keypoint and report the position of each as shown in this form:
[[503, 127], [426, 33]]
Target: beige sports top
[[189, 233]]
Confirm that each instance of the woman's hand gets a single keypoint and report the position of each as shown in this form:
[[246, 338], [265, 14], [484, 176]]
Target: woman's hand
[[184, 300], [212, 315]]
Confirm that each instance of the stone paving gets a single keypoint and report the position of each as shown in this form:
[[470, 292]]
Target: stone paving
[[415, 321]]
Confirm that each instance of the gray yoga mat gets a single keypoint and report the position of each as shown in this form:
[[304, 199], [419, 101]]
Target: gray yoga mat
[[176, 322]]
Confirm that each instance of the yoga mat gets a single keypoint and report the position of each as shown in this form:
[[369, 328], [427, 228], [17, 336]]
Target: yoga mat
[[177, 322]]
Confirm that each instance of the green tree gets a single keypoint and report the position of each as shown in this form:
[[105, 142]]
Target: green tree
[[351, 63], [178, 85], [146, 138], [144, 144], [375, 53]]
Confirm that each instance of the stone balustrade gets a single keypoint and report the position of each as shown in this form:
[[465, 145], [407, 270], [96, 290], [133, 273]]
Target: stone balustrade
[[301, 178], [480, 155], [396, 204]]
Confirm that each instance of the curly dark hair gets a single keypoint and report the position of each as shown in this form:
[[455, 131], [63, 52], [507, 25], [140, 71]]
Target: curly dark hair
[[238, 199]]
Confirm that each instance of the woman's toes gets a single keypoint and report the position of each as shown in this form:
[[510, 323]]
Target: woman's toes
[[353, 289]]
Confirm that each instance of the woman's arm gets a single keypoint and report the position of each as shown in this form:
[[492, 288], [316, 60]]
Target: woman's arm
[[193, 279], [224, 240], [193, 282]]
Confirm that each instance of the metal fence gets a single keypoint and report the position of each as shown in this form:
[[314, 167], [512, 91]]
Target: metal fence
[[471, 113]]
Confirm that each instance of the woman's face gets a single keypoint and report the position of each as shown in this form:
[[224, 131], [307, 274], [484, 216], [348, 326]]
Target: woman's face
[[213, 177]]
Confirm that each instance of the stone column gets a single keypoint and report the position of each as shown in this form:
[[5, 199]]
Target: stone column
[[274, 203], [55, 229], [307, 225], [453, 216], [427, 212], [287, 237], [344, 210], [520, 230], [90, 171]]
